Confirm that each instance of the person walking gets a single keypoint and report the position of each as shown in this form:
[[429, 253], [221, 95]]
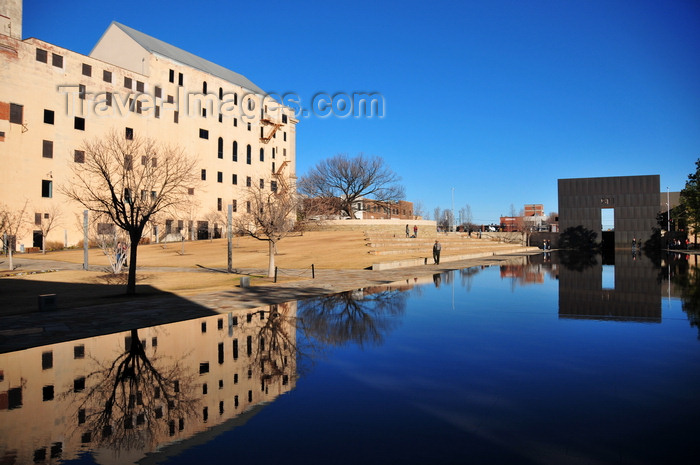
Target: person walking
[[415, 231], [436, 252], [408, 231]]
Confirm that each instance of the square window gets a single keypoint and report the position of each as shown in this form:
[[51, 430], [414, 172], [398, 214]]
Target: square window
[[47, 392], [190, 190], [41, 55], [139, 86], [79, 156], [107, 76], [127, 82], [79, 384], [79, 351], [203, 134], [47, 149], [48, 116], [87, 70], [57, 60], [79, 123], [171, 99], [129, 134]]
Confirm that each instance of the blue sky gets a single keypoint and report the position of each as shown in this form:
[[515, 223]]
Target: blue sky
[[496, 99]]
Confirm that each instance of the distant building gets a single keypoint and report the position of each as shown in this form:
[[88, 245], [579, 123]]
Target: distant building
[[369, 209]]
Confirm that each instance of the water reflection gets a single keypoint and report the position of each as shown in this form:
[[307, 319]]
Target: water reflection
[[125, 395], [362, 317]]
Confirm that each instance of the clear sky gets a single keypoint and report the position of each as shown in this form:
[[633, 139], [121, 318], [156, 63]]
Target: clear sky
[[496, 99]]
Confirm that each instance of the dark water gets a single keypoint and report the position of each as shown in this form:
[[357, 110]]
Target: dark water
[[552, 360]]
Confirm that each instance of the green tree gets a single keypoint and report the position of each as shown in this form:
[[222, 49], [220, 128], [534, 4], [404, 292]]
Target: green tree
[[690, 200]]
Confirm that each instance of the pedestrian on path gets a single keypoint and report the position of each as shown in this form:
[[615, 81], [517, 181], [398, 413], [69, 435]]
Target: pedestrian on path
[[415, 231], [408, 231], [436, 252]]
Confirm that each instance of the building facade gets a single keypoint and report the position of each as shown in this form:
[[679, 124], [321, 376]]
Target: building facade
[[52, 100], [369, 209], [631, 203]]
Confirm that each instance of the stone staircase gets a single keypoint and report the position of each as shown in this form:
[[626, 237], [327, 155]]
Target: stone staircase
[[419, 250]]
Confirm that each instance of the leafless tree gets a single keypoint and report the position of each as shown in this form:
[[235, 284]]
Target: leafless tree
[[12, 224], [216, 220], [348, 179], [270, 218], [466, 214], [129, 181], [437, 214], [47, 222], [419, 209]]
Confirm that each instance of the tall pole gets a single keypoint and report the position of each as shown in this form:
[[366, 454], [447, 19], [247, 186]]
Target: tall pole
[[85, 240], [229, 231], [668, 210], [453, 210]]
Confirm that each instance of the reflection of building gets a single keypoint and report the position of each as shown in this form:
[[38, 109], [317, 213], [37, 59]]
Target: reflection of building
[[52, 99], [625, 290], [214, 368]]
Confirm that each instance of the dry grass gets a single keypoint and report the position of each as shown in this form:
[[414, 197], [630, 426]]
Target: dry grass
[[324, 249]]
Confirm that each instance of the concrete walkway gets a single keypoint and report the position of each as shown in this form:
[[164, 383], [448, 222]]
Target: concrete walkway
[[35, 329]]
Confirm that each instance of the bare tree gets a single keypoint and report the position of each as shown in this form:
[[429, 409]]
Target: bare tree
[[437, 214], [47, 222], [466, 214], [129, 181], [13, 223], [269, 218], [419, 209], [215, 222], [348, 179]]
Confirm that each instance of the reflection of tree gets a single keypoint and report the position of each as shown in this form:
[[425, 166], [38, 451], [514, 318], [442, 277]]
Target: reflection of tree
[[131, 403], [341, 318], [689, 282], [277, 345]]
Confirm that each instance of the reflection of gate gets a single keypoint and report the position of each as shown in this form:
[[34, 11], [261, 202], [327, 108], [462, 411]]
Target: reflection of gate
[[202, 230], [36, 239]]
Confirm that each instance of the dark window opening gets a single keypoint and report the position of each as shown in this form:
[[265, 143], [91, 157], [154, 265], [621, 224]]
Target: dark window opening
[[79, 123], [47, 149], [203, 134], [57, 60], [220, 148], [79, 156], [41, 55], [127, 82], [204, 175], [129, 133], [16, 113], [219, 176], [107, 76], [171, 76], [48, 116], [248, 155], [87, 70], [46, 188]]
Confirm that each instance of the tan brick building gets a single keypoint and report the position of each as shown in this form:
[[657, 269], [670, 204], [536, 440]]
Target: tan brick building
[[52, 99]]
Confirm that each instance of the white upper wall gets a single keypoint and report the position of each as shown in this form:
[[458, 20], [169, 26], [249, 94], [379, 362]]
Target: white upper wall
[[116, 47]]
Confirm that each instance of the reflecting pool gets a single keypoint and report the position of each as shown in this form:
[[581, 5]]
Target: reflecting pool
[[548, 360]]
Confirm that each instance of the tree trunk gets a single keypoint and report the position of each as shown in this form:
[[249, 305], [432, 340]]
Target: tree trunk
[[271, 263], [43, 244], [131, 283]]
